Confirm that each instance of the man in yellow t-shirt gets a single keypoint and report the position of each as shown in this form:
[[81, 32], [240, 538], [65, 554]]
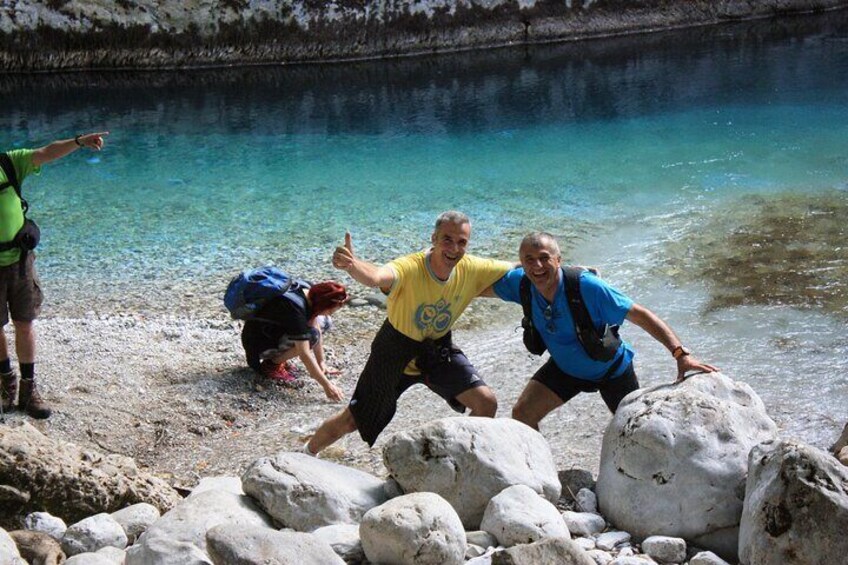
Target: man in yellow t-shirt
[[428, 291]]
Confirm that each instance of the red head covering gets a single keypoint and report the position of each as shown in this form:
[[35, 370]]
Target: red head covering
[[325, 296]]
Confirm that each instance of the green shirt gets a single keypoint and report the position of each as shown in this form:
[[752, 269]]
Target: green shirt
[[11, 213]]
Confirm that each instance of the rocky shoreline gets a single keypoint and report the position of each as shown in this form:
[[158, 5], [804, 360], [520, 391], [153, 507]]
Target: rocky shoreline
[[148, 34]]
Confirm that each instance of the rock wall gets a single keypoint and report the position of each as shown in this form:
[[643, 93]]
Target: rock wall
[[146, 34]]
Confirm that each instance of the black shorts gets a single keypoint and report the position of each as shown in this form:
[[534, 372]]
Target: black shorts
[[260, 340], [383, 381], [567, 387]]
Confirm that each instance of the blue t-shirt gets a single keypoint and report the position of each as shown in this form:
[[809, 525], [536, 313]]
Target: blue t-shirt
[[606, 305]]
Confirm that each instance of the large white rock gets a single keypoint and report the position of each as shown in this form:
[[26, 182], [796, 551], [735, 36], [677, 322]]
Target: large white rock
[[796, 506], [707, 558], [179, 536], [104, 556], [469, 460], [344, 539], [584, 523], [665, 549], [46, 523], [419, 528], [254, 545], [674, 460], [519, 515], [9, 550], [135, 519], [229, 484], [305, 493], [92, 533], [553, 551]]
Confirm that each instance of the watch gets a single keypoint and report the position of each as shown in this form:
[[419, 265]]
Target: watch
[[679, 352]]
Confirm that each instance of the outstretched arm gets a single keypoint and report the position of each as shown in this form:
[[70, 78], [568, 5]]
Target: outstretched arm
[[59, 149], [363, 272], [303, 352], [660, 331]]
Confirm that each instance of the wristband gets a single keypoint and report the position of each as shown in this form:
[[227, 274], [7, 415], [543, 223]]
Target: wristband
[[77, 140]]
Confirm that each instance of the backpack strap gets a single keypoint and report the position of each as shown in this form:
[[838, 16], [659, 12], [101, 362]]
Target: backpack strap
[[597, 347], [12, 178]]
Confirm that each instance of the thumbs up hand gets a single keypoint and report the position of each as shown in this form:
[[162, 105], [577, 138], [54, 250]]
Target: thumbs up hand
[[343, 257]]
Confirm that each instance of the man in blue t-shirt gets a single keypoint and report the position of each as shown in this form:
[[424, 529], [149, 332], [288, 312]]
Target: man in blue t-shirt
[[570, 370]]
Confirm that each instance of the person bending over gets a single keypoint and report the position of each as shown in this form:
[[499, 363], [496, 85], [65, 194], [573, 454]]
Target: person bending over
[[289, 326], [570, 369], [427, 292]]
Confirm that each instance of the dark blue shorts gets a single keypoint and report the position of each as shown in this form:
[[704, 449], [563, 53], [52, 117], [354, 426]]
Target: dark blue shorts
[[567, 387]]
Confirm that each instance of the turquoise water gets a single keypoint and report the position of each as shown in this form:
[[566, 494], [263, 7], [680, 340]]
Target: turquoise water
[[623, 147]]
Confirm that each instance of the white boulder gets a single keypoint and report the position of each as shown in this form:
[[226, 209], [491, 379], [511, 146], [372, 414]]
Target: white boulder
[[306, 493], [9, 553], [136, 518], [519, 515], [584, 523], [257, 545], [92, 533], [46, 523], [608, 541], [469, 460], [419, 528], [796, 506], [179, 536], [665, 549], [707, 558], [553, 551], [228, 484], [344, 539], [674, 460]]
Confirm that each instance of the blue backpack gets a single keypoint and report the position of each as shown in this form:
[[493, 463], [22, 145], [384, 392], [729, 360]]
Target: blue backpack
[[251, 289]]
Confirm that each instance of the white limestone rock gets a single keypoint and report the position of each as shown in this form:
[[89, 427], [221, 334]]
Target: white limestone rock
[[584, 523], [418, 528], [608, 541], [344, 539], [519, 515], [674, 460], [469, 460], [796, 506], [46, 523], [707, 558], [257, 545], [9, 550], [599, 557], [665, 549], [587, 501], [482, 538], [179, 536], [227, 484], [103, 556], [631, 560], [585, 543], [92, 533], [306, 493], [135, 519], [558, 551]]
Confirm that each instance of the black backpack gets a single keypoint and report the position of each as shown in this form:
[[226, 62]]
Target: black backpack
[[29, 235], [598, 347]]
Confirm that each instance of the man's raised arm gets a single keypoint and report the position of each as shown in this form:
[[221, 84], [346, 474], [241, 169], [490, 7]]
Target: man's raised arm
[[363, 272]]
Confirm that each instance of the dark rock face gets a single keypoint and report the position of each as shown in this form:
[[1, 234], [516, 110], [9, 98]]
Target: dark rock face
[[69, 482], [89, 34]]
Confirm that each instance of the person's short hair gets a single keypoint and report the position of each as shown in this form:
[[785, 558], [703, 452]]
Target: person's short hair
[[539, 239], [324, 296], [451, 217]]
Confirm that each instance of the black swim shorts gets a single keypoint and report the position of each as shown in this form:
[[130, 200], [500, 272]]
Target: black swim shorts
[[567, 387]]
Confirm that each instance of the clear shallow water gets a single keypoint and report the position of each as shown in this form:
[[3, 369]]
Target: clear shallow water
[[624, 148]]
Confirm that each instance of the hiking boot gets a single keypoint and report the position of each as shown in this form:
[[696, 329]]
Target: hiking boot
[[31, 402], [8, 390]]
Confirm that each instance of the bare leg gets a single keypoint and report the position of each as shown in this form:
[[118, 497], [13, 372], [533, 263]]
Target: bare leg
[[4, 347], [536, 402], [481, 400], [24, 342], [333, 428]]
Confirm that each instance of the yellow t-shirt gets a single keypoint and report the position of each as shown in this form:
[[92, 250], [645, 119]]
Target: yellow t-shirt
[[420, 306]]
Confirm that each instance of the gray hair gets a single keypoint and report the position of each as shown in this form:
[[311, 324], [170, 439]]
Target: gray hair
[[452, 217], [539, 239]]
